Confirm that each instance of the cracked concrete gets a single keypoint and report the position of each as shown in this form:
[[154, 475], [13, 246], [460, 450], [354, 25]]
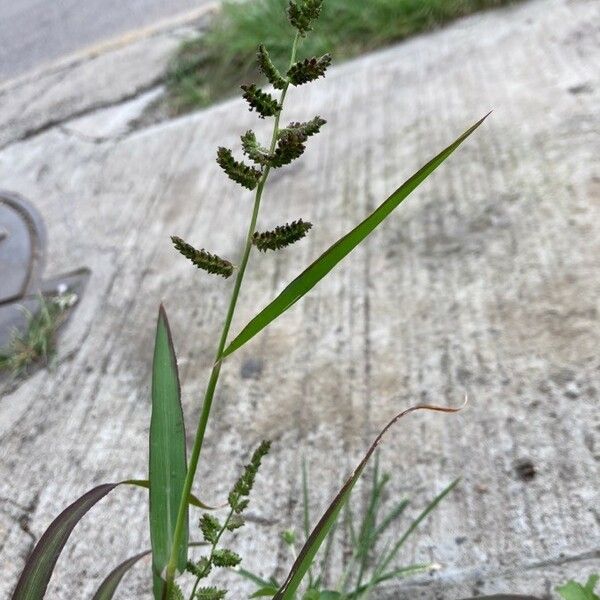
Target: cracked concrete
[[90, 82], [486, 281]]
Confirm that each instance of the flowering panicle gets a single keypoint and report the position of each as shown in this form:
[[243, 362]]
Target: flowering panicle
[[265, 64], [309, 69], [238, 171], [262, 102], [281, 236], [302, 13], [238, 497], [203, 259], [213, 530]]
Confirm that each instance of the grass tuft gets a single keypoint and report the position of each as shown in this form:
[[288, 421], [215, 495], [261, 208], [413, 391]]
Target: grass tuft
[[37, 343], [214, 65]]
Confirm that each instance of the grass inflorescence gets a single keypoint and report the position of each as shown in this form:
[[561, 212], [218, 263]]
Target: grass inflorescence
[[214, 65]]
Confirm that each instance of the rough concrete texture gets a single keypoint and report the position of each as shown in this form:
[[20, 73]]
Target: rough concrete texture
[[34, 32], [94, 79], [485, 281]]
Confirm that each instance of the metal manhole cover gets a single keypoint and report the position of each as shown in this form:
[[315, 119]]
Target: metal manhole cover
[[22, 247], [22, 261]]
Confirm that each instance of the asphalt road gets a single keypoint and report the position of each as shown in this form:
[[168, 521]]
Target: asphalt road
[[34, 32]]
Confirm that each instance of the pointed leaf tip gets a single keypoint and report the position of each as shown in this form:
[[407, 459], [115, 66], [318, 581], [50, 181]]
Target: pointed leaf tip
[[167, 456], [340, 249]]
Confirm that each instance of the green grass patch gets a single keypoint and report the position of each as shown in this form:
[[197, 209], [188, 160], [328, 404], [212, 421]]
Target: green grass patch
[[37, 343], [212, 66]]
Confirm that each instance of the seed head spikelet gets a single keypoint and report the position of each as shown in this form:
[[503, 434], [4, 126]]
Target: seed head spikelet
[[301, 14], [309, 69], [238, 171], [175, 592], [203, 259], [210, 593], [281, 236], [210, 528], [199, 569], [262, 102], [253, 150], [307, 128], [265, 64], [225, 558], [290, 146], [243, 486]]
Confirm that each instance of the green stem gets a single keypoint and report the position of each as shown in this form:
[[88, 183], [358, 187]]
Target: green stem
[[216, 370]]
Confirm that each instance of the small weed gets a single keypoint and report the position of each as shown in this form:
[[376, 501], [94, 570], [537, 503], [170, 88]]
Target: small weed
[[214, 65], [577, 591], [373, 551], [37, 343]]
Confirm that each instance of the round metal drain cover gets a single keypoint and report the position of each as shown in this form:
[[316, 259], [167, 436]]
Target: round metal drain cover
[[22, 247]]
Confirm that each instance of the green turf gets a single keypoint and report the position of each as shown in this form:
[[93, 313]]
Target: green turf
[[212, 66]]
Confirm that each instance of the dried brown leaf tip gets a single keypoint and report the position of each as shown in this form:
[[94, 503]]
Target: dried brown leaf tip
[[281, 236], [309, 69], [210, 263]]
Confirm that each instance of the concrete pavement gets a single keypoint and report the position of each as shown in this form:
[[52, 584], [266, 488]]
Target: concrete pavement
[[37, 32], [485, 281]]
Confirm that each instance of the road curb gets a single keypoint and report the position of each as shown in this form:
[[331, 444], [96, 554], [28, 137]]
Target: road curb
[[111, 44]]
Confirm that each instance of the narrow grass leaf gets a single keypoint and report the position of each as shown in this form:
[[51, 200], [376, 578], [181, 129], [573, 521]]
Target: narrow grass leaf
[[307, 554], [268, 591], [109, 586], [395, 574], [39, 566], [394, 551], [167, 455], [254, 578], [41, 562], [327, 261]]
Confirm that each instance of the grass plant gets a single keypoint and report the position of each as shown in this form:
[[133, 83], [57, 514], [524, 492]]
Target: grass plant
[[172, 471]]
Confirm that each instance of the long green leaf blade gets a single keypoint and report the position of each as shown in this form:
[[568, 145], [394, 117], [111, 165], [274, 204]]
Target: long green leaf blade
[[38, 569], [168, 463], [319, 533], [39, 566], [327, 261], [110, 584], [386, 560]]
